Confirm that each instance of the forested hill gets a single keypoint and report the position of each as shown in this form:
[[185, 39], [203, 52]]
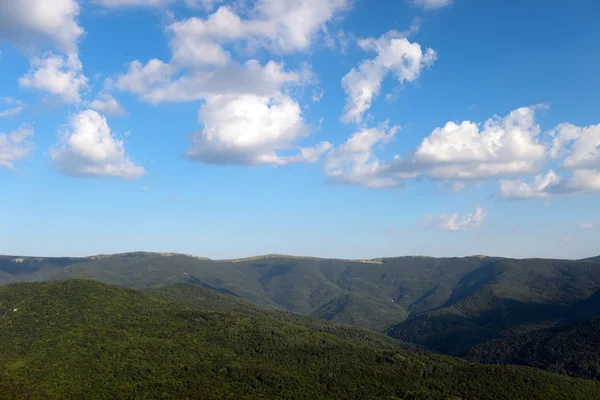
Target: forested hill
[[83, 339], [374, 294], [570, 350], [447, 305]]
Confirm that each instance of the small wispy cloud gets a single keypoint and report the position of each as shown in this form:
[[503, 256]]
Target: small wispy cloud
[[587, 225], [455, 221], [12, 111], [431, 4]]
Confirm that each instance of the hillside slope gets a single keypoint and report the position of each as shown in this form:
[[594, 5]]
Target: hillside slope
[[81, 339], [205, 299], [572, 350], [446, 304], [506, 298], [390, 288]]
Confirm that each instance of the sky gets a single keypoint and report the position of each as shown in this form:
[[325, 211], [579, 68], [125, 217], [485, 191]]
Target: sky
[[329, 128]]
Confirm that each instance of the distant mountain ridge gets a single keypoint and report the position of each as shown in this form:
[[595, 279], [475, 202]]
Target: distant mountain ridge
[[298, 284]]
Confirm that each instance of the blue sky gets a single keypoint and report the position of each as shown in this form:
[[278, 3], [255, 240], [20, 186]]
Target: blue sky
[[330, 128]]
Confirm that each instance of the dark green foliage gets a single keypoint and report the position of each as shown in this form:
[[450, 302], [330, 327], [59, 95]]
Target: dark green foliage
[[446, 304], [82, 339], [505, 298], [374, 294], [197, 296], [570, 350]]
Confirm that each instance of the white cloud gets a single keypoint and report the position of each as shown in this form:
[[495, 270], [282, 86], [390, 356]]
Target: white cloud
[[456, 153], [140, 78], [251, 130], [395, 54], [207, 5], [107, 104], [87, 147], [511, 149], [499, 147], [154, 82], [29, 23], [577, 151], [456, 222], [12, 111], [290, 25], [280, 25], [580, 181], [354, 162], [14, 146], [317, 95], [248, 115], [132, 3], [579, 148], [519, 189], [587, 225], [431, 4], [59, 76]]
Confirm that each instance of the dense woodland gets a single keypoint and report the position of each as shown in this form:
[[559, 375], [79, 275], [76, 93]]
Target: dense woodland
[[537, 313], [571, 350], [83, 339]]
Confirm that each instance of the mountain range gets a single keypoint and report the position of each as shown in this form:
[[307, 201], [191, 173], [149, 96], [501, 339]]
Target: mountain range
[[85, 339], [453, 306]]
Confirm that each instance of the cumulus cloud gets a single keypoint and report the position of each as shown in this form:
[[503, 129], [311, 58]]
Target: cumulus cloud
[[251, 130], [454, 154], [207, 5], [580, 181], [497, 148], [455, 221], [280, 25], [31, 23], [354, 161], [580, 146], [140, 79], [431, 4], [155, 83], [107, 104], [132, 3], [15, 146], [60, 76], [87, 147], [577, 153], [519, 189], [248, 115], [395, 54]]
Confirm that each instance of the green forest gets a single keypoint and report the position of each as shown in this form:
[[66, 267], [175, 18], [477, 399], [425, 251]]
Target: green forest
[[84, 339]]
